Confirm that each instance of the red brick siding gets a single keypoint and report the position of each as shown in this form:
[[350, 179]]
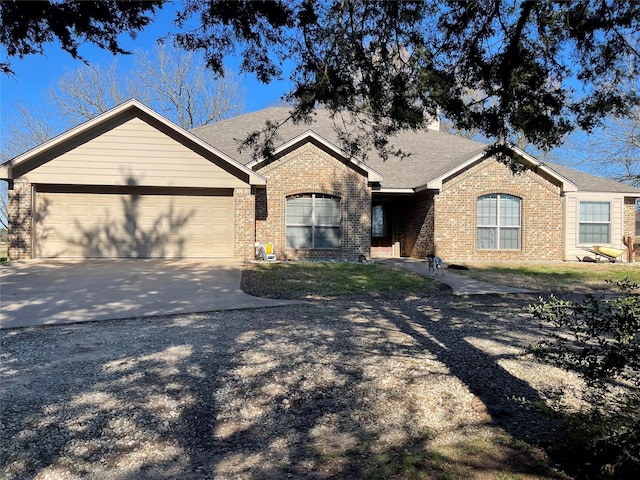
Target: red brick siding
[[20, 220], [542, 233], [310, 170], [630, 220], [244, 223], [415, 230]]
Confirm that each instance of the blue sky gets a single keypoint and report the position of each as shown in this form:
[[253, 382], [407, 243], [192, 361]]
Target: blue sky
[[35, 74]]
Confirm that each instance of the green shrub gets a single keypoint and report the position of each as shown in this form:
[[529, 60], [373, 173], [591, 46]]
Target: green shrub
[[599, 338]]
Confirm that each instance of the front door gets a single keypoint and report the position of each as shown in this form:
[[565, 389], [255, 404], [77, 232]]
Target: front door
[[381, 234]]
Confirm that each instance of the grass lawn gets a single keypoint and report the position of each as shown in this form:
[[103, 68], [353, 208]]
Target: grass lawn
[[319, 279], [474, 458], [554, 277]]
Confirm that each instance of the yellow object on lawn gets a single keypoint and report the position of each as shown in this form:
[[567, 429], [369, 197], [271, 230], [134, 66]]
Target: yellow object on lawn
[[608, 251]]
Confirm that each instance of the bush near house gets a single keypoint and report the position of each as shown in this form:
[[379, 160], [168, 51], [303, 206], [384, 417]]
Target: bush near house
[[599, 338]]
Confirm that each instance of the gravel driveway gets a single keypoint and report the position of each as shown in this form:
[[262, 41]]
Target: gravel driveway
[[323, 390]]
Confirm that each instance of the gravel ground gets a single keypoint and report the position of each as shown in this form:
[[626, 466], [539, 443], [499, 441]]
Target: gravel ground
[[312, 391]]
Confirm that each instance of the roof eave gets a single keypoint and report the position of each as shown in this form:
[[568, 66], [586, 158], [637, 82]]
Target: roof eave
[[373, 176], [567, 185], [5, 172], [436, 183], [394, 190], [254, 178]]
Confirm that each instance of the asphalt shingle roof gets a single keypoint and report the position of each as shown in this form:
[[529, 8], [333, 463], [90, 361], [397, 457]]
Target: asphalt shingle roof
[[431, 153], [591, 183]]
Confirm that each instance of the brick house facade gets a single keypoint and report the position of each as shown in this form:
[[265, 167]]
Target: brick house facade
[[541, 234], [310, 170], [20, 215], [445, 197], [244, 202]]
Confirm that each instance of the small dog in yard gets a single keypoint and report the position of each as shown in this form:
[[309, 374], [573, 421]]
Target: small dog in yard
[[435, 264]]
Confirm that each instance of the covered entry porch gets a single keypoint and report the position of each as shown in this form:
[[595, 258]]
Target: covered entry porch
[[402, 224]]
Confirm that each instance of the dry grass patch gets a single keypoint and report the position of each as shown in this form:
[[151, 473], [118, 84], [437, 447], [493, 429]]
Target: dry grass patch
[[554, 277], [494, 457], [320, 279]]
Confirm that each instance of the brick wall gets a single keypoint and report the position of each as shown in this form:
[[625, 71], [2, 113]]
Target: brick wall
[[415, 228], [311, 170], [630, 220], [455, 210], [244, 207], [20, 220]]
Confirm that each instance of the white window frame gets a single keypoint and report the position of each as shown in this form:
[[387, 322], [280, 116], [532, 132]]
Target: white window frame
[[581, 222], [314, 224], [498, 227]]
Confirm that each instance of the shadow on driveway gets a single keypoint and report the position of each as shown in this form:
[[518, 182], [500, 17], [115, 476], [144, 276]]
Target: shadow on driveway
[[55, 292]]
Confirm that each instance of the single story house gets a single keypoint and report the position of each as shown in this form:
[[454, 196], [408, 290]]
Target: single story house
[[130, 183]]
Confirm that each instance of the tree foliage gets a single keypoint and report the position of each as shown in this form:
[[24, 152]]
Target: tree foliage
[[23, 129], [543, 68], [27, 27], [169, 80], [599, 338], [612, 151]]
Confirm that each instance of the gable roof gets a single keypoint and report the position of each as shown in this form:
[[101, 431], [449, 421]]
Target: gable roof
[[22, 163], [311, 137], [430, 152], [432, 155], [591, 183], [521, 156]]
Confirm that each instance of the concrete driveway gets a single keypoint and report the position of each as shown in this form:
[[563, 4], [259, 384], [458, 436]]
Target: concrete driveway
[[46, 292]]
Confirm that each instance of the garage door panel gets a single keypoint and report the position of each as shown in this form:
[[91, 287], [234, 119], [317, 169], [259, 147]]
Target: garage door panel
[[126, 225]]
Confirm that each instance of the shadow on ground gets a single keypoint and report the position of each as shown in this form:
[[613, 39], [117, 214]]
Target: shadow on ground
[[389, 387]]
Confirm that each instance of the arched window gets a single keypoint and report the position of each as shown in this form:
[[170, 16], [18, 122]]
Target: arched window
[[313, 221], [499, 222]]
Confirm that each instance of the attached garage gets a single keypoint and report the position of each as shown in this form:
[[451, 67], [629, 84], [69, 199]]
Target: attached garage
[[130, 184], [133, 223]]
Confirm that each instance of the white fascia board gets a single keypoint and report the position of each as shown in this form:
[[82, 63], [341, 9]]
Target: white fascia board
[[567, 185], [372, 175], [436, 183], [395, 190], [5, 172], [254, 178], [57, 140]]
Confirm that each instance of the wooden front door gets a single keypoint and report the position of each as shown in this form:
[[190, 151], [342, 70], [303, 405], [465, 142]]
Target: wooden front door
[[381, 231]]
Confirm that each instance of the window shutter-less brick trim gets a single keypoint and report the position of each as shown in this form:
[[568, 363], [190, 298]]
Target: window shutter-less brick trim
[[309, 170], [455, 214]]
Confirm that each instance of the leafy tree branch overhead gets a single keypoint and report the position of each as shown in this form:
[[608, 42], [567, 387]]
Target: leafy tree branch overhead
[[542, 68], [171, 81]]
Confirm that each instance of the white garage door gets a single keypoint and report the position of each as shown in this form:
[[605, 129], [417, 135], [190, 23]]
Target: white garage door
[[133, 225]]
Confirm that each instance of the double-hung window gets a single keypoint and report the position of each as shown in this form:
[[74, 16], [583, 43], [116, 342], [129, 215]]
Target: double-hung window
[[313, 221], [498, 222], [595, 222]]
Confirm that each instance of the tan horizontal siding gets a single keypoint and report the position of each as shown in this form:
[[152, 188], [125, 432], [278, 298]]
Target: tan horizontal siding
[[133, 153], [573, 246]]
